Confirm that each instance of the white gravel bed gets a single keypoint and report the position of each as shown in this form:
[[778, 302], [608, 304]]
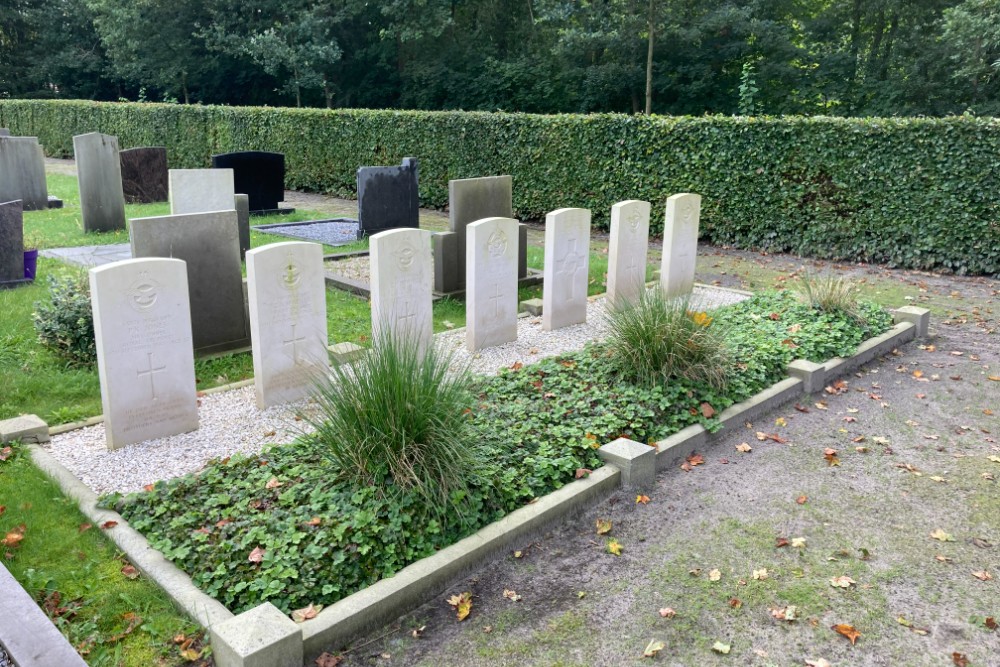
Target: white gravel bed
[[231, 422]]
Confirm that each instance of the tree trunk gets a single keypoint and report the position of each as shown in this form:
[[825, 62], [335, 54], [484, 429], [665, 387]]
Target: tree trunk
[[327, 93], [298, 89], [649, 63], [184, 88]]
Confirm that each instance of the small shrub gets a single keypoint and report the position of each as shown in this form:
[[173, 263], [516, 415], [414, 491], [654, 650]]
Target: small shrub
[[830, 294], [65, 324], [399, 418], [659, 338]]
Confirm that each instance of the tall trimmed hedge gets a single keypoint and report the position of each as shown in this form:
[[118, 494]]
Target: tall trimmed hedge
[[919, 193]]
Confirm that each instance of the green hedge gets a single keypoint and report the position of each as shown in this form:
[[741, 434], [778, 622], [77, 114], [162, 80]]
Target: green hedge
[[919, 193]]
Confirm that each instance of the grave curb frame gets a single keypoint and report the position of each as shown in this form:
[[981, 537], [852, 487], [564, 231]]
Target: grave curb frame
[[410, 587]]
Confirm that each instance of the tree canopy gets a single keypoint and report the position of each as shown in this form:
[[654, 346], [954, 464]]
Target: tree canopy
[[849, 58]]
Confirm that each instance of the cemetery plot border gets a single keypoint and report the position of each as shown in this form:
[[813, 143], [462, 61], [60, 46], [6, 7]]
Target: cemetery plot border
[[280, 642]]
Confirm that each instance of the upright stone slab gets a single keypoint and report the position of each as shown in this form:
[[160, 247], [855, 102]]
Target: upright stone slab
[[200, 190], [4, 132], [144, 174], [11, 245], [387, 197], [471, 199], [401, 282], [567, 267], [627, 251], [22, 172], [209, 244], [142, 325], [491, 283], [242, 204], [680, 245], [286, 292], [258, 174], [99, 174]]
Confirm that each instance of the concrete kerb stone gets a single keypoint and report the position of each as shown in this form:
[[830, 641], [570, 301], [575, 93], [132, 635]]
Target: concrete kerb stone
[[673, 449], [636, 461], [413, 585], [531, 306], [919, 317], [813, 375], [26, 428], [259, 637]]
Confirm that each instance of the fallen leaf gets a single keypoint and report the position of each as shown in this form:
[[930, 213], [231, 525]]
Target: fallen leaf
[[641, 500], [667, 612], [942, 536], [511, 595], [789, 613], [801, 408], [830, 455], [583, 472], [257, 555], [780, 421], [107, 525], [130, 572], [315, 521], [842, 582], [653, 648], [14, 537], [84, 527], [798, 542], [462, 604], [714, 575], [695, 460], [328, 660], [273, 483], [518, 554], [818, 663], [846, 630], [603, 526], [614, 547], [719, 647], [982, 575], [821, 405], [707, 411], [943, 559], [801, 500], [6, 453], [959, 659], [760, 575], [306, 613], [780, 542], [516, 366], [417, 632], [134, 621], [990, 623]]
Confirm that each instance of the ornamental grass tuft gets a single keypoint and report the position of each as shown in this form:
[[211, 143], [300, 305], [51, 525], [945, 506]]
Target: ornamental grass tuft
[[399, 419], [659, 338], [830, 294]]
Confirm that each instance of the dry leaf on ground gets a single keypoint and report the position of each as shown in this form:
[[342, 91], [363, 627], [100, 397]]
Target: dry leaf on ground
[[848, 631], [653, 648], [462, 604]]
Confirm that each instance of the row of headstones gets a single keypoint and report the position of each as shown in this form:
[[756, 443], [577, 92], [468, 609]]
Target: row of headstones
[[145, 347], [401, 260]]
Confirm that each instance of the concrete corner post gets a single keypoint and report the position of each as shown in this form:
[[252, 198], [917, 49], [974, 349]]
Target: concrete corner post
[[531, 306], [919, 317], [813, 375], [636, 461], [260, 637], [345, 353], [26, 428]]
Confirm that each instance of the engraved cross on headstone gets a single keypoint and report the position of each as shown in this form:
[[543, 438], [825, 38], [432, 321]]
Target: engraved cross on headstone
[[496, 300], [406, 315], [569, 265], [633, 270], [293, 341], [151, 371]]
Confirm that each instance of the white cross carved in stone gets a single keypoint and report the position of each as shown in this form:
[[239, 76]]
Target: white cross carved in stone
[[294, 342], [569, 265], [496, 300], [151, 371], [404, 315], [632, 269]]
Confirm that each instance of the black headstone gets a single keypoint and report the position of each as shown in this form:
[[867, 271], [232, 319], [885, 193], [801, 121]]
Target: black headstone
[[144, 174], [387, 197], [11, 244], [258, 174]]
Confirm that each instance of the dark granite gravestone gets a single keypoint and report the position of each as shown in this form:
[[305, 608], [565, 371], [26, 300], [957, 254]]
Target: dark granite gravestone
[[11, 245], [144, 174], [242, 205], [258, 174], [387, 197], [209, 243], [22, 172]]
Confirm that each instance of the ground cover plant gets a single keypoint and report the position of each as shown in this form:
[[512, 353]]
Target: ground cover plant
[[285, 526]]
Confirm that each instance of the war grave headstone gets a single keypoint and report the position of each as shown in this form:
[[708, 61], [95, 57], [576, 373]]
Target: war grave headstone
[[387, 197], [491, 283], [22, 172], [200, 190], [567, 264], [242, 205], [144, 174], [287, 297], [99, 174], [12, 245], [627, 251], [142, 326], [471, 199], [209, 244], [401, 284], [258, 174], [680, 244]]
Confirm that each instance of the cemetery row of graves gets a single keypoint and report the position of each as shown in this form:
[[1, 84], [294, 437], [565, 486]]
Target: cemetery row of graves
[[402, 450]]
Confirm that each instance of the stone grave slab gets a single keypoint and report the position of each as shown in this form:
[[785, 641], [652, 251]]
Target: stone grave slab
[[89, 256], [200, 190], [144, 174], [242, 204], [209, 244], [491, 283], [567, 263], [22, 172], [11, 245], [469, 200], [680, 244], [142, 325], [258, 174], [628, 248], [387, 197], [287, 297], [402, 279], [99, 174], [334, 232]]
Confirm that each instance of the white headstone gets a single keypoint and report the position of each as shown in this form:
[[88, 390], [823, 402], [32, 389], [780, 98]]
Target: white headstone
[[145, 358], [99, 175], [567, 267], [287, 297], [627, 249], [491, 283], [201, 190], [402, 279], [680, 245]]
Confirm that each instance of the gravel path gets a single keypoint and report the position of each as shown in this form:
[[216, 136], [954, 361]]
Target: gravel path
[[231, 422], [331, 232]]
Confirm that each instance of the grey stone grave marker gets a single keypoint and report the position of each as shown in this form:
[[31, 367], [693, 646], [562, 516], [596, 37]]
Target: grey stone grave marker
[[22, 172], [11, 245], [387, 197], [401, 282], [567, 263], [142, 326], [144, 174], [200, 190], [99, 174], [491, 292], [209, 244], [680, 244], [628, 247]]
